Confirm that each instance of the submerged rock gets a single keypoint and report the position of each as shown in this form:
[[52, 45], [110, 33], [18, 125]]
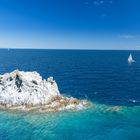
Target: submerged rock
[[28, 91]]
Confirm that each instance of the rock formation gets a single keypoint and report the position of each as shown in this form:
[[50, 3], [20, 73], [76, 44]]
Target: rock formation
[[28, 91]]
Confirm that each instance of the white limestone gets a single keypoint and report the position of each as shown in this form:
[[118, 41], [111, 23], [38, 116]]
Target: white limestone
[[28, 91]]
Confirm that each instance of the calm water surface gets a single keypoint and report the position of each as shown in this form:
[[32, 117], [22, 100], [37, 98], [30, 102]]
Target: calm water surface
[[103, 77]]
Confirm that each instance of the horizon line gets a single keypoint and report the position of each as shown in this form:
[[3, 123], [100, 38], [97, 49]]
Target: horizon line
[[77, 49]]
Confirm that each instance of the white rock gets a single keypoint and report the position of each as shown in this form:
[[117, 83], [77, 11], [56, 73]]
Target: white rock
[[20, 88]]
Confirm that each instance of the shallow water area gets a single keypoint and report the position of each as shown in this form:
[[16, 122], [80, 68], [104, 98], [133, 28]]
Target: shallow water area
[[99, 122]]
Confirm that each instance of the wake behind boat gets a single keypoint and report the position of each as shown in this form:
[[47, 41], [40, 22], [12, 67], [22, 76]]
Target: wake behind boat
[[130, 59]]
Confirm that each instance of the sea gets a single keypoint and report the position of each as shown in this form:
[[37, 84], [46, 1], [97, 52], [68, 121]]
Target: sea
[[103, 77]]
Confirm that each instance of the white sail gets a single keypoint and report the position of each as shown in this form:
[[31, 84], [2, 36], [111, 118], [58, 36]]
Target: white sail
[[130, 59]]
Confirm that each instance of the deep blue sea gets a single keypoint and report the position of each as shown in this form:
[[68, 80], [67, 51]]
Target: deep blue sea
[[103, 77]]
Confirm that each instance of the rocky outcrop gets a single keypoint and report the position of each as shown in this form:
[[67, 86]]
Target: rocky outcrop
[[28, 91]]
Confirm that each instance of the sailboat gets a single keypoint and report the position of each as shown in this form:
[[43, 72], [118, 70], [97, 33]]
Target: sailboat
[[130, 59]]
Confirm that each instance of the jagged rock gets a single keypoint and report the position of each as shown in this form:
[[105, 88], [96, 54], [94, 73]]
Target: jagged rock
[[28, 91]]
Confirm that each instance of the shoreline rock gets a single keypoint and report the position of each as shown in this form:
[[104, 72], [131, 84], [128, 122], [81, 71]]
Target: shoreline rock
[[27, 91]]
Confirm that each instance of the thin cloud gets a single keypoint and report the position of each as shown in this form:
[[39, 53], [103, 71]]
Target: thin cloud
[[111, 2], [127, 36], [101, 2], [98, 3]]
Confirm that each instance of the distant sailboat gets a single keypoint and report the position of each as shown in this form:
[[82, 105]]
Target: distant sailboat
[[130, 59]]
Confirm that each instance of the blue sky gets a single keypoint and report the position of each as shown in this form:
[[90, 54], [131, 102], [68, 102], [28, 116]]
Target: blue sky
[[70, 24]]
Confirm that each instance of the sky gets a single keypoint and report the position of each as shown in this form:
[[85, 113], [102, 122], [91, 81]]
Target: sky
[[70, 24]]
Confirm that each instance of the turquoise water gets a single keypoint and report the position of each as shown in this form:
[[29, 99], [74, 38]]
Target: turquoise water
[[103, 77], [100, 122]]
